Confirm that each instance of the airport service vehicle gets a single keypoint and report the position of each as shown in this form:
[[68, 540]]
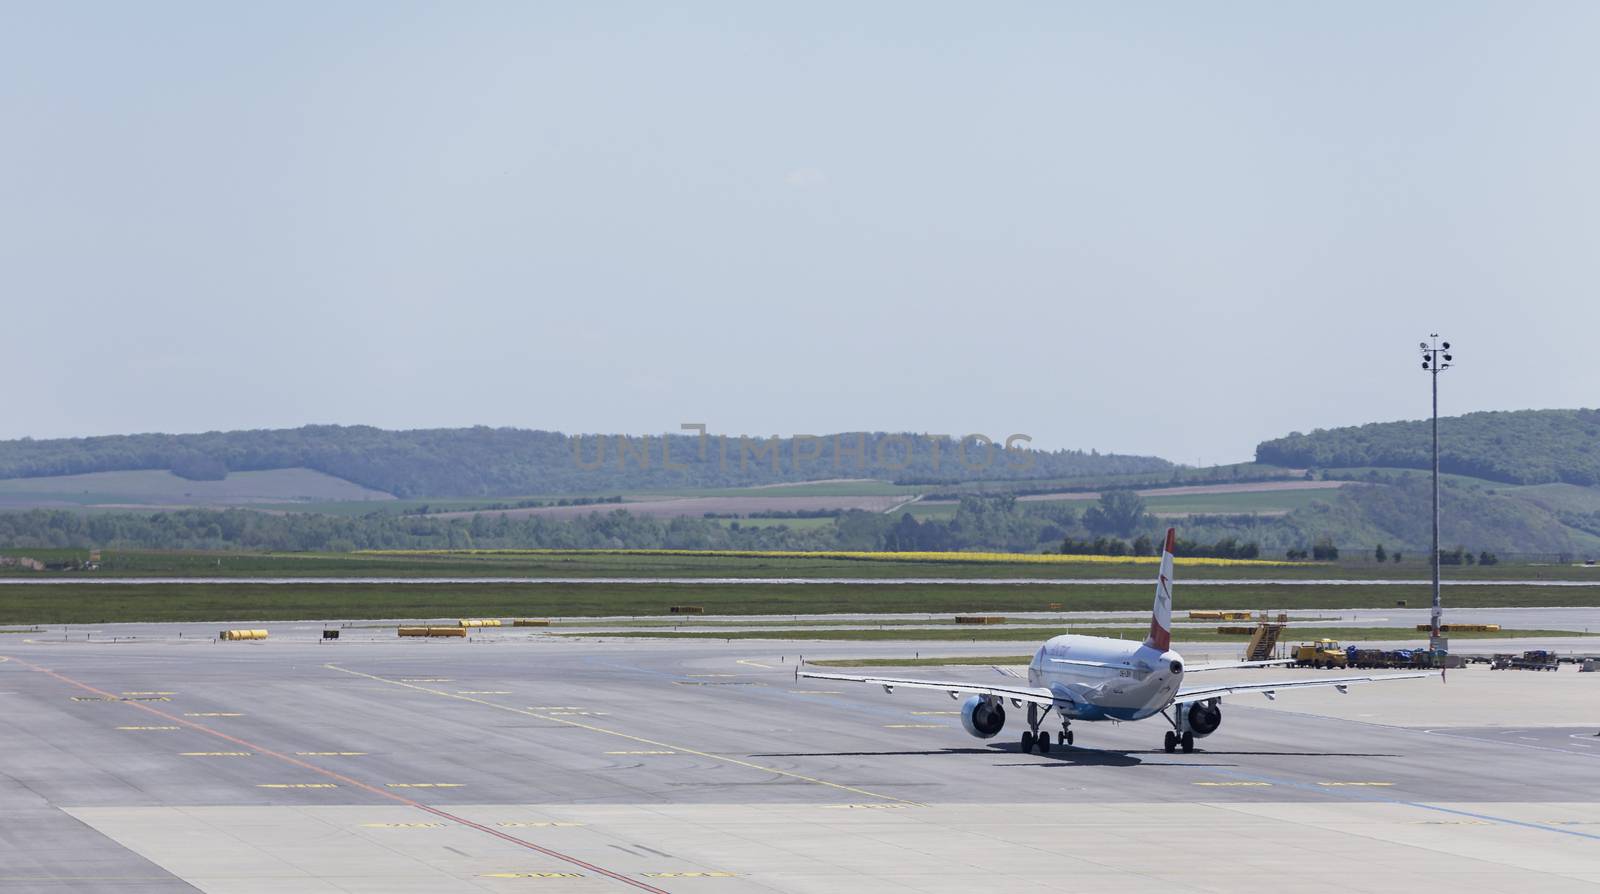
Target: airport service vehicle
[[1537, 659], [1322, 653], [1093, 678]]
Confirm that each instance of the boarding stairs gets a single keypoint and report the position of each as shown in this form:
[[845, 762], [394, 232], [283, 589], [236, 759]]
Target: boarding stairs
[[1265, 638]]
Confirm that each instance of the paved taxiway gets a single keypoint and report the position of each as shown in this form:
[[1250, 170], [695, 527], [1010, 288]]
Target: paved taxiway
[[519, 761]]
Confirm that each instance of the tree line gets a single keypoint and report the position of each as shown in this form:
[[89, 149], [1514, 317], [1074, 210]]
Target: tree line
[[493, 462], [986, 523]]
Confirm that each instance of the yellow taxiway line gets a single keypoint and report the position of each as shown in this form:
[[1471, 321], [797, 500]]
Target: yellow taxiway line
[[557, 718]]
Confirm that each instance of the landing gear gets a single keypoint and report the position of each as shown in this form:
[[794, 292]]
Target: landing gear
[[1065, 738], [1175, 739], [1033, 737]]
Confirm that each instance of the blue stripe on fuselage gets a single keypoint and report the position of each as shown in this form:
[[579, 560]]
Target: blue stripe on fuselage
[[1096, 712]]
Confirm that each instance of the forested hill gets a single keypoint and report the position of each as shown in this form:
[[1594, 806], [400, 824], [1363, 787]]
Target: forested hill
[[1520, 447], [487, 462]]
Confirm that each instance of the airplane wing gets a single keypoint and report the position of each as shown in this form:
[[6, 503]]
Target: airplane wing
[[1035, 694], [1268, 689], [1227, 665]]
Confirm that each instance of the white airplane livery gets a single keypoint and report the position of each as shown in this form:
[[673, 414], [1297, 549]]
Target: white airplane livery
[[1095, 678]]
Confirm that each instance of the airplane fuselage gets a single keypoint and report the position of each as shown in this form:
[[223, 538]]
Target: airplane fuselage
[[1095, 678]]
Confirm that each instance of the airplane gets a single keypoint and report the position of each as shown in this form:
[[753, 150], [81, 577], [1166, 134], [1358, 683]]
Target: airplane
[[1092, 678]]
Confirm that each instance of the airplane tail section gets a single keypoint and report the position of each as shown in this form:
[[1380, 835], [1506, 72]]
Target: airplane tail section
[[1160, 636]]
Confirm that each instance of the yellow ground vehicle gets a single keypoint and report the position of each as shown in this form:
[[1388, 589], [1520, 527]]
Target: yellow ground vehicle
[[1322, 653]]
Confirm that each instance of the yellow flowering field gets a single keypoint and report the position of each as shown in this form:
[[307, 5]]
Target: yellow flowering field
[[859, 555]]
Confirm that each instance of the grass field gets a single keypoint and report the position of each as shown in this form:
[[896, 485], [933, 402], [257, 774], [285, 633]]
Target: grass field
[[926, 511], [392, 507], [1218, 503], [108, 603], [153, 487], [1273, 502], [849, 488], [1237, 504], [780, 497], [1558, 497], [69, 602], [587, 564]]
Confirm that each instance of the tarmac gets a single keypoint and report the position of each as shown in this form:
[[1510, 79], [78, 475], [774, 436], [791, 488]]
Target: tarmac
[[133, 759]]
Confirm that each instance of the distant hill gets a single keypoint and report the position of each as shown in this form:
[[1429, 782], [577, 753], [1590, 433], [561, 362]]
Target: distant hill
[[1473, 514], [1516, 483], [1521, 481], [1520, 447], [494, 462]]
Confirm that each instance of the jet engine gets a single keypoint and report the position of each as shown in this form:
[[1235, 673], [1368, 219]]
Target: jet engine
[[983, 717], [1201, 718]]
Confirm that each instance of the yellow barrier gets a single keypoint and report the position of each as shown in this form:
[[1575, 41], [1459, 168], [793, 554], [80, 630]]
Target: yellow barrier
[[243, 634], [480, 622], [980, 619], [433, 631], [1212, 615], [530, 622], [687, 610], [1462, 628]]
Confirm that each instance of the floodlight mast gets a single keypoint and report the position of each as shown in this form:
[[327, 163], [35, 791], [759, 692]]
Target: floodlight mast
[[1436, 359]]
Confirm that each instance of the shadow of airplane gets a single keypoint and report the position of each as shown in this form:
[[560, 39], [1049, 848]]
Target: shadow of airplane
[[1288, 753], [1075, 756], [1080, 757], [928, 753]]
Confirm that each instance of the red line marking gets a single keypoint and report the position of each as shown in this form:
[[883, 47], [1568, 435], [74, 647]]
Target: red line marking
[[355, 783]]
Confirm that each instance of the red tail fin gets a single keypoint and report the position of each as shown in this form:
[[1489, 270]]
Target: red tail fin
[[1160, 636]]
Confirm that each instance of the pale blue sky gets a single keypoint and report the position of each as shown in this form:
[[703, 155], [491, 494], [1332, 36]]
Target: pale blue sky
[[1160, 228]]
